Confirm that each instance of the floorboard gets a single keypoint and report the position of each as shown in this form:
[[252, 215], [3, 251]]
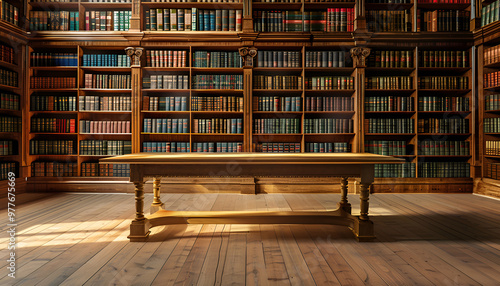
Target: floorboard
[[422, 239]]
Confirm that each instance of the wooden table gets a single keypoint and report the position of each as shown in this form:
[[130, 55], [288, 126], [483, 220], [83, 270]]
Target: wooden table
[[155, 165]]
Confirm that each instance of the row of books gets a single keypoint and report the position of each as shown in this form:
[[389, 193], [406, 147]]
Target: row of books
[[105, 147], [54, 169], [8, 168], [9, 13], [331, 20], [276, 125], [10, 124], [439, 103], [220, 59], [443, 82], [52, 147], [52, 103], [389, 125], [444, 59], [107, 20], [108, 81], [389, 21], [218, 81], [277, 82], [329, 103], [104, 103], [8, 147], [52, 82], [443, 170], [94, 169], [328, 125], [165, 103], [492, 148], [173, 81], [9, 101], [443, 148], [104, 126], [492, 102], [54, 20], [443, 21], [217, 103], [327, 147], [491, 55], [490, 13], [405, 170], [53, 125], [7, 54], [166, 58], [105, 60], [385, 147], [389, 82], [277, 103], [165, 125], [198, 1], [219, 147], [491, 125], [491, 79], [443, 125], [279, 59], [389, 103], [8, 77], [274, 147], [326, 59], [218, 125], [444, 1], [192, 19], [38, 59], [328, 82], [390, 59], [162, 147], [493, 170]]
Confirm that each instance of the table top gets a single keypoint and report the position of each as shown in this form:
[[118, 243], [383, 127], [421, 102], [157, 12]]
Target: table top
[[251, 158]]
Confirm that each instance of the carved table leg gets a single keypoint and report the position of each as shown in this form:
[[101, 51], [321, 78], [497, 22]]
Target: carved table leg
[[363, 227], [157, 204], [344, 204], [139, 228]]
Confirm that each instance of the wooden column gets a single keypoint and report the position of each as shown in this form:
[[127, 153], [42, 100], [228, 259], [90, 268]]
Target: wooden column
[[359, 55], [248, 55], [135, 60], [157, 203], [344, 204], [247, 21], [135, 19]]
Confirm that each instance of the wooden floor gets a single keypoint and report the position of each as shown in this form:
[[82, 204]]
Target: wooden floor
[[422, 239]]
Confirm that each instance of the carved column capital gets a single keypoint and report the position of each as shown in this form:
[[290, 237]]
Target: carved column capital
[[248, 54], [135, 56], [359, 56]]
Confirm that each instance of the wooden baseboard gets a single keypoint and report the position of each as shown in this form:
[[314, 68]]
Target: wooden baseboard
[[487, 187], [422, 185]]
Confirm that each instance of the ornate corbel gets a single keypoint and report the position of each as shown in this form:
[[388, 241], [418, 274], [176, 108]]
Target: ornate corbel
[[135, 56], [248, 55], [359, 56]]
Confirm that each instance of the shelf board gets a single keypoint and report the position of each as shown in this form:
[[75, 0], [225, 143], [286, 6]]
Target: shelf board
[[9, 88], [217, 112], [107, 69], [12, 111], [388, 6], [52, 133], [105, 111], [9, 65], [46, 155], [217, 90], [276, 6], [380, 70], [391, 112], [331, 112], [107, 5], [391, 91], [164, 111], [53, 89], [117, 134], [337, 91], [277, 112], [492, 133], [390, 134], [492, 156], [446, 91], [447, 70], [56, 68], [325, 5], [96, 155], [493, 65], [164, 90], [217, 70], [445, 112], [55, 5], [53, 111], [278, 69], [278, 90], [107, 90], [445, 156], [329, 134], [344, 70], [217, 134], [171, 69], [441, 6], [151, 133], [202, 5], [446, 134]]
